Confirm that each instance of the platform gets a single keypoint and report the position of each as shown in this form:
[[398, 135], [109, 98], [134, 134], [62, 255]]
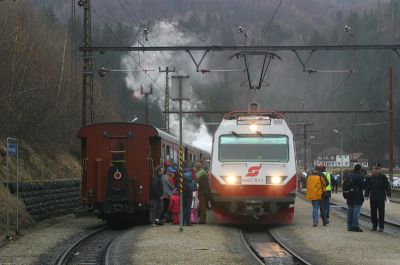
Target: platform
[[333, 244], [216, 244]]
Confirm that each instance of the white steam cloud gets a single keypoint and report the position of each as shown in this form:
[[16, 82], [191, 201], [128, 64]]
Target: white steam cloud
[[162, 33]]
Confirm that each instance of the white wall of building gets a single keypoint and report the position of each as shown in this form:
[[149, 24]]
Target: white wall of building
[[342, 160], [334, 161]]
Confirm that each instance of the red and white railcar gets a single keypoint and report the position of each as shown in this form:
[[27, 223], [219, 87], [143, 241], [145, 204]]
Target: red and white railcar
[[253, 169]]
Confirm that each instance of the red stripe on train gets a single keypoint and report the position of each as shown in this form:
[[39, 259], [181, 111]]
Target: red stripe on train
[[253, 190]]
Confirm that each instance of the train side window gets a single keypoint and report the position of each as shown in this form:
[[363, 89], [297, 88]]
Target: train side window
[[117, 150], [175, 156]]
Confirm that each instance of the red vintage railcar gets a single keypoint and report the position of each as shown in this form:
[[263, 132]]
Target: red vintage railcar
[[118, 160]]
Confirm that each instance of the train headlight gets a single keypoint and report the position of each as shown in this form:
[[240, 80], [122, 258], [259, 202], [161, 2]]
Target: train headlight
[[253, 127], [275, 180], [231, 179]]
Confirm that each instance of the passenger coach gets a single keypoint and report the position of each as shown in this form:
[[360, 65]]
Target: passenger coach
[[253, 169], [118, 160]]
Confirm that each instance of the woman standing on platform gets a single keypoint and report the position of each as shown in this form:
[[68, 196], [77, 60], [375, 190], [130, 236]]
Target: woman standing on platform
[[168, 187]]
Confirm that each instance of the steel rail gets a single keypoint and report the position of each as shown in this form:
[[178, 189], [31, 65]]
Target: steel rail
[[344, 208], [280, 242], [62, 259], [249, 248], [393, 47], [108, 252], [285, 111], [397, 225]]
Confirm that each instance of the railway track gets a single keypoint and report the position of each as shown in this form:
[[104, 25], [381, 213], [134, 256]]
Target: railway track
[[365, 219], [90, 249], [395, 195], [266, 247]]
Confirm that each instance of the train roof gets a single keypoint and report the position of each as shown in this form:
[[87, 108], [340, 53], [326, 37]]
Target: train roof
[[175, 139], [160, 133], [259, 113]]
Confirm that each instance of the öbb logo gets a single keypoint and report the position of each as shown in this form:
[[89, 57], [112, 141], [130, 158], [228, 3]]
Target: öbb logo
[[253, 171]]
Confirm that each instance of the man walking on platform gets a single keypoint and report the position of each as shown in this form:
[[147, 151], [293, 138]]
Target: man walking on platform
[[316, 186], [378, 188]]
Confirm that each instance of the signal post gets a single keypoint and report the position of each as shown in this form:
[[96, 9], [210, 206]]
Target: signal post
[[180, 96]]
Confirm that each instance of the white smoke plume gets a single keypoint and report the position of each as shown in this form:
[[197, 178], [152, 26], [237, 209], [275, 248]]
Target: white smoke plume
[[162, 33]]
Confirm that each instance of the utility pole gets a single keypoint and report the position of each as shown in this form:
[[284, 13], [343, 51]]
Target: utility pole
[[395, 21], [146, 103], [391, 121], [166, 107], [180, 99], [305, 144], [87, 73]]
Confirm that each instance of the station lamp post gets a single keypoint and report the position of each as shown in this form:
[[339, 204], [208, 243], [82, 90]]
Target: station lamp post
[[341, 150]]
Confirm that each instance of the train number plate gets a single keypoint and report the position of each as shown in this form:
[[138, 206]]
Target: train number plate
[[254, 180]]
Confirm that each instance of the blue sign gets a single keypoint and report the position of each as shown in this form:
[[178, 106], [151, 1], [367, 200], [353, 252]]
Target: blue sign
[[12, 149]]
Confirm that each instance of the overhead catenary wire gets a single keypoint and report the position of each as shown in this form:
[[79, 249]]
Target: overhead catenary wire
[[173, 25], [135, 18], [270, 22], [111, 19], [266, 28], [62, 63], [138, 63]]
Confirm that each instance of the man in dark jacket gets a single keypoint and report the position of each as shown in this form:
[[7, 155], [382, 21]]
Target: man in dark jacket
[[156, 197], [378, 189], [204, 192], [187, 195], [355, 199]]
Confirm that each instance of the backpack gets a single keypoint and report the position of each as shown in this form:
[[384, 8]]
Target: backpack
[[348, 187], [188, 182]]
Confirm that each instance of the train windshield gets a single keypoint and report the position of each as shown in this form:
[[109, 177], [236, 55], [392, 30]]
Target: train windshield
[[253, 148]]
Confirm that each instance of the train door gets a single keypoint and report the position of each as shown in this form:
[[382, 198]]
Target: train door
[[154, 156], [84, 194], [117, 176], [185, 158]]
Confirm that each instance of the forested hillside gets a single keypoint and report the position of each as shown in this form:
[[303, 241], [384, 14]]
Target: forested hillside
[[41, 90], [40, 96]]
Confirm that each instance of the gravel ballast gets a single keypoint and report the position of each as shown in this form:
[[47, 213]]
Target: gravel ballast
[[333, 244], [43, 239], [197, 244]]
